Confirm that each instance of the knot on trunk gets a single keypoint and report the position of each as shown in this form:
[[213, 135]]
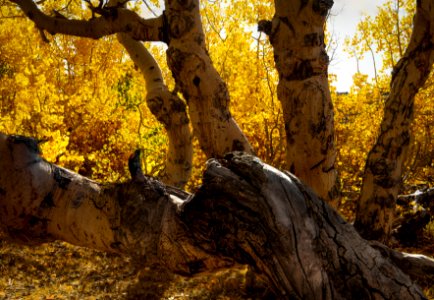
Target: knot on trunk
[[265, 26]]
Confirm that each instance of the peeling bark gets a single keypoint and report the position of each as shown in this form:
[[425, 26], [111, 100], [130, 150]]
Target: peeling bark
[[297, 36], [383, 171], [205, 92], [245, 212]]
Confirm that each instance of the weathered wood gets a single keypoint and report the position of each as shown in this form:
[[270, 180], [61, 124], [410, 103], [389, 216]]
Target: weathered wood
[[419, 267], [245, 212]]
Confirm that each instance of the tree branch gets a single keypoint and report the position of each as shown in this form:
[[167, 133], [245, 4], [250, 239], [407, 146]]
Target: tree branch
[[245, 212], [169, 110], [114, 20], [418, 266]]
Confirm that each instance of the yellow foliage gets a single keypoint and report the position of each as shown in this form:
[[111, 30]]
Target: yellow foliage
[[85, 100], [357, 118], [82, 98], [387, 35]]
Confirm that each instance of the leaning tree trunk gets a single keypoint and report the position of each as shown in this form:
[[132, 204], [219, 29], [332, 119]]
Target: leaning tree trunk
[[169, 109], [297, 36], [245, 212], [206, 93], [382, 177]]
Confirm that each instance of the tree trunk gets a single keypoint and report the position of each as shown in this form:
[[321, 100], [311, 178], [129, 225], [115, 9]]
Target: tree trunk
[[382, 177], [297, 36], [206, 93], [169, 109], [245, 212]]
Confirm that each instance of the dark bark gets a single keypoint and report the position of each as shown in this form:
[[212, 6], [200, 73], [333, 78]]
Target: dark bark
[[418, 210], [245, 212]]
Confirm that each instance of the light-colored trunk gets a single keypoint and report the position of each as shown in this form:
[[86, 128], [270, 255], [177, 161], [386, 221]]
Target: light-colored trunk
[[260, 216], [383, 171], [169, 109], [297, 36], [205, 92]]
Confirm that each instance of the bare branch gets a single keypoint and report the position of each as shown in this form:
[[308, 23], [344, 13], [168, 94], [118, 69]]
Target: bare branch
[[149, 7], [112, 20]]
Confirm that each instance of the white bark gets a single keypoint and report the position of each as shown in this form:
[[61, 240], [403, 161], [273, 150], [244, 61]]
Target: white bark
[[169, 109], [297, 36], [204, 90]]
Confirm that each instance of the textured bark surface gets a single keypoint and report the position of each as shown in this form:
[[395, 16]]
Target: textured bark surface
[[297, 36], [245, 212], [206, 93], [169, 109], [382, 177]]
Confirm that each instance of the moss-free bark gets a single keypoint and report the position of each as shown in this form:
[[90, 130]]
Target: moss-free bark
[[296, 33], [383, 171], [204, 90], [169, 109]]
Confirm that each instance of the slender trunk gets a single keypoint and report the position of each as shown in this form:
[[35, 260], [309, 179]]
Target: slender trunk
[[383, 171], [398, 28], [375, 65], [297, 36], [169, 109], [259, 215], [205, 92]]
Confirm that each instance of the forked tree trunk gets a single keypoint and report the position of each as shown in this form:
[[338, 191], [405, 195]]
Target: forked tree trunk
[[297, 36], [383, 171], [206, 93], [245, 212]]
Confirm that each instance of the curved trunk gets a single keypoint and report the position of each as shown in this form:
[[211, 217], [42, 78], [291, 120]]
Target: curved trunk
[[169, 109], [297, 36], [205, 92], [383, 171], [245, 212]]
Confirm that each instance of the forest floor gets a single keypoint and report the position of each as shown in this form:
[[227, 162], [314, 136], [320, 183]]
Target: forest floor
[[62, 271]]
